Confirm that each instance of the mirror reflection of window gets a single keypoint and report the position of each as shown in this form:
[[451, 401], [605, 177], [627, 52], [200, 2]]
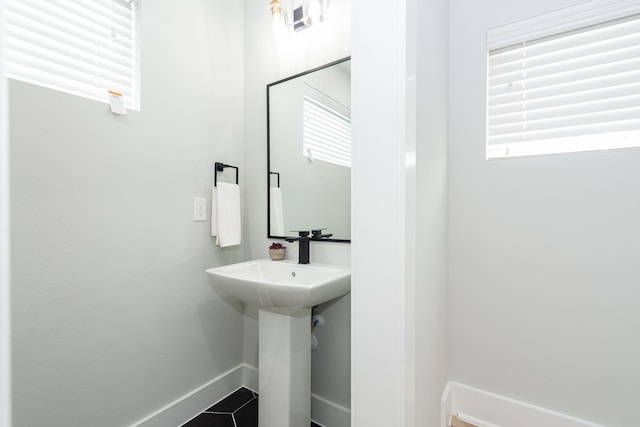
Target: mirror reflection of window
[[326, 131]]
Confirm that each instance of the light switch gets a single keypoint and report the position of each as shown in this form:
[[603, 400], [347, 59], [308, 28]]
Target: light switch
[[199, 209]]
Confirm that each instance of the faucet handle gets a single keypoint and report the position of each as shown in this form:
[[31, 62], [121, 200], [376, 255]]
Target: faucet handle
[[317, 234]]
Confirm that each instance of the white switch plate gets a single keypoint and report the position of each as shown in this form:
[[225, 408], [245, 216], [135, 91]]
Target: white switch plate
[[199, 209]]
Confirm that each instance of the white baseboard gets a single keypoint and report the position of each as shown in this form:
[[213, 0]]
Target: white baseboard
[[486, 409], [323, 412], [193, 403], [327, 413], [250, 377]]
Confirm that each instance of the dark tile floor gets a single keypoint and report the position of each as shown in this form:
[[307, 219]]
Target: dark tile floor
[[239, 409]]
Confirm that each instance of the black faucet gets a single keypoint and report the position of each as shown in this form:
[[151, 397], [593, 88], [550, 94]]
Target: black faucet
[[303, 243]]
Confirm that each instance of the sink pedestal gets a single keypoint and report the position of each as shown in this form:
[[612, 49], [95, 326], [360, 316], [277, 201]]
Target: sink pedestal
[[284, 369]]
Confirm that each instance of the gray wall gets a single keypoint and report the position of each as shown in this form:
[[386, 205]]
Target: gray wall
[[112, 314], [543, 259], [267, 62], [430, 260]]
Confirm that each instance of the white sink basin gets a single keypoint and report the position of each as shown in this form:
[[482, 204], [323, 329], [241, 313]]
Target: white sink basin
[[283, 287]]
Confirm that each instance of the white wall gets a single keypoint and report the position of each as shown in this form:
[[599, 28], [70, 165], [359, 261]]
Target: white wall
[[399, 216], [112, 314], [543, 259], [382, 216], [267, 62], [5, 342]]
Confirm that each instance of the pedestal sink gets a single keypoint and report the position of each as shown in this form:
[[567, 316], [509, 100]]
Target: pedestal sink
[[284, 293]]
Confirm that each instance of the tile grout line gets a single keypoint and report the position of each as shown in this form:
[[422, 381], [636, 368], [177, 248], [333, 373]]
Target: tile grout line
[[233, 415], [206, 411], [245, 404]]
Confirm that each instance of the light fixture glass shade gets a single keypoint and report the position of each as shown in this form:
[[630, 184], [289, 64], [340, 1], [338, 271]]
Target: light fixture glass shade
[[278, 18], [277, 9]]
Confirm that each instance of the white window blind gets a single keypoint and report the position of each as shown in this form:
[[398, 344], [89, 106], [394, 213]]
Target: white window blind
[[565, 82], [326, 129], [84, 47]]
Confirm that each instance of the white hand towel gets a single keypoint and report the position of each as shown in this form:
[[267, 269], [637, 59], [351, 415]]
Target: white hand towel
[[226, 218], [276, 220], [214, 214]]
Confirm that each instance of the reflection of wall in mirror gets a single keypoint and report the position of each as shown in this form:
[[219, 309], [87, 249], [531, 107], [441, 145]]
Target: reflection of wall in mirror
[[314, 194]]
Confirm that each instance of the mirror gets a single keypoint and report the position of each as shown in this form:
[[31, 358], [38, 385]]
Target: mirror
[[309, 152]]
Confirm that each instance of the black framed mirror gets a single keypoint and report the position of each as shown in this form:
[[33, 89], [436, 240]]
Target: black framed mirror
[[309, 152]]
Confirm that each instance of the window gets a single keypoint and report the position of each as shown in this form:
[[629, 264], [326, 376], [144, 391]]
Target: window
[[326, 129], [84, 47], [565, 82]]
